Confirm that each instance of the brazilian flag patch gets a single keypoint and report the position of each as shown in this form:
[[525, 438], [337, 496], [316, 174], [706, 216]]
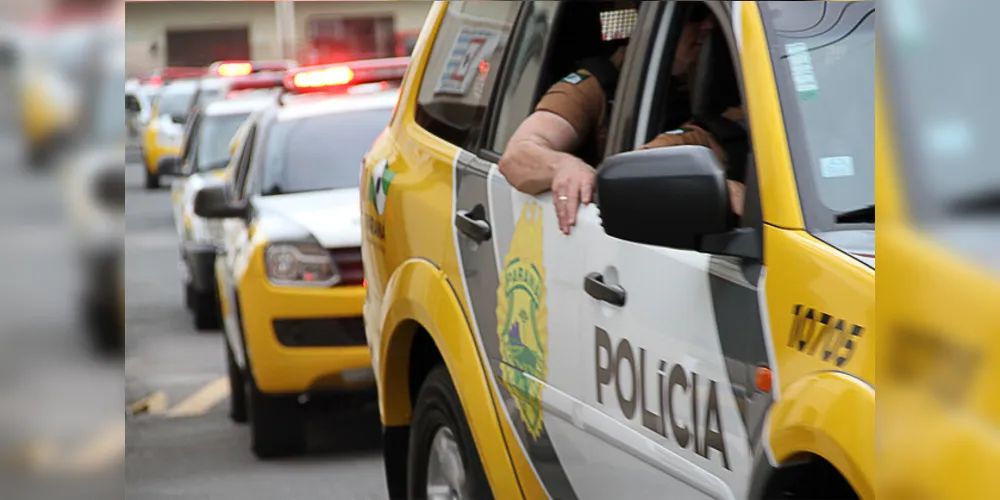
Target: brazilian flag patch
[[575, 78]]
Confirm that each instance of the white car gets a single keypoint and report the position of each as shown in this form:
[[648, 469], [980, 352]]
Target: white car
[[206, 151]]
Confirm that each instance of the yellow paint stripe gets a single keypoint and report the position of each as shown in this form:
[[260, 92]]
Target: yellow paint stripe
[[201, 401], [101, 452], [153, 404]]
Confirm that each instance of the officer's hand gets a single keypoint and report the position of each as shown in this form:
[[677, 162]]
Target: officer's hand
[[572, 185]]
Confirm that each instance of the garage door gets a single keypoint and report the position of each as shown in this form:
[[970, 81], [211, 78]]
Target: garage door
[[203, 47]]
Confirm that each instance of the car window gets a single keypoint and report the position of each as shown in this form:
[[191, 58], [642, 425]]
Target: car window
[[462, 69], [175, 100], [191, 139], [243, 165], [824, 58], [319, 152], [524, 69], [214, 138]]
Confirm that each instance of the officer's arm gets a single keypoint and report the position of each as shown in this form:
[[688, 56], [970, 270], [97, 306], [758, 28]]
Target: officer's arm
[[537, 150]]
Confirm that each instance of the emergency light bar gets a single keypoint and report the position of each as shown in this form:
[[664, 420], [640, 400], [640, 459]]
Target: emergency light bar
[[257, 81], [243, 68], [332, 77]]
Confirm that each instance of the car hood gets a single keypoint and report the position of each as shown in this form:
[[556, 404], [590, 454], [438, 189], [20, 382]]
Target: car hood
[[332, 216], [859, 243]]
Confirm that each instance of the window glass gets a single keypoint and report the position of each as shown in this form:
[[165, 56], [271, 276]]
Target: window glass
[[462, 69], [214, 138], [190, 139], [824, 58], [175, 99], [244, 163], [319, 152], [524, 68]]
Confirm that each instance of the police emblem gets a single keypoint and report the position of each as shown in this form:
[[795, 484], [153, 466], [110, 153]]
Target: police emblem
[[521, 318], [378, 185]]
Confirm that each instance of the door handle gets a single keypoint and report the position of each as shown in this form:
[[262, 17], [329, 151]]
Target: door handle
[[472, 223], [595, 286]]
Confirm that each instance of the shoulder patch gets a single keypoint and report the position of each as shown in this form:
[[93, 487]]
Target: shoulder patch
[[575, 78]]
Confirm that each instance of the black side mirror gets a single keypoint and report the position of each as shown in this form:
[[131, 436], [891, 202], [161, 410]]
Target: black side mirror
[[179, 119], [211, 203], [670, 197], [132, 104], [171, 166]]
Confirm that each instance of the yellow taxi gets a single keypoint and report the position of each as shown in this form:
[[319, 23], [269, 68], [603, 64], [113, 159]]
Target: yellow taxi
[[939, 195], [289, 272], [662, 349]]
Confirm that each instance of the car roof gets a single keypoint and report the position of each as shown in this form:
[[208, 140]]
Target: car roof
[[305, 106], [237, 106], [185, 85]]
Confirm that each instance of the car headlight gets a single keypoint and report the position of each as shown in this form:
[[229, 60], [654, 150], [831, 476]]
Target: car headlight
[[300, 264], [168, 137]]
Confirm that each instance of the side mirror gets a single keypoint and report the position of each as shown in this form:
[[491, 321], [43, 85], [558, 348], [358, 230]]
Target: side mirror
[[171, 166], [132, 104], [670, 197], [211, 203], [179, 119]]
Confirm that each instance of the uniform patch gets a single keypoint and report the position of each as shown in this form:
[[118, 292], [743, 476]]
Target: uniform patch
[[522, 323], [575, 78]]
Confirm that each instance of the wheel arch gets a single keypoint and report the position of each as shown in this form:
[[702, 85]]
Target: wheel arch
[[423, 317], [828, 417]]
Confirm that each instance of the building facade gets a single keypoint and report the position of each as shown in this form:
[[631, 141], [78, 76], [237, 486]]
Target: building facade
[[196, 33]]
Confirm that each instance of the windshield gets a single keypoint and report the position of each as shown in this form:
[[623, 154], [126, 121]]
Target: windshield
[[209, 95], [824, 61], [175, 100], [216, 134], [945, 137], [320, 152]]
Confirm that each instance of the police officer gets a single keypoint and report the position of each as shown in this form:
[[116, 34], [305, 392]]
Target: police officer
[[556, 145]]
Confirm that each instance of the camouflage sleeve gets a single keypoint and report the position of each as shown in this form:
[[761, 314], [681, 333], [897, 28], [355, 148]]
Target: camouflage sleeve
[[578, 98]]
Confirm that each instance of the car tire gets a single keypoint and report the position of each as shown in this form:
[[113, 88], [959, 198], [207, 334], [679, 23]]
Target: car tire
[[237, 388], [104, 328], [439, 411], [276, 423], [205, 309], [152, 180]]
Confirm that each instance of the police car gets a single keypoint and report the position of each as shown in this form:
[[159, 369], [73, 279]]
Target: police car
[[94, 187], [290, 278], [226, 77], [163, 134], [659, 350], [204, 156]]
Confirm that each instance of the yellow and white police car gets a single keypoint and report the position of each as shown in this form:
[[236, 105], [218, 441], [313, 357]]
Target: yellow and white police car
[[205, 153], [660, 350], [163, 134], [290, 277]]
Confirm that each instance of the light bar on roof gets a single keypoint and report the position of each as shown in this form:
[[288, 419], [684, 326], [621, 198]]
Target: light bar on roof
[[618, 24], [331, 77]]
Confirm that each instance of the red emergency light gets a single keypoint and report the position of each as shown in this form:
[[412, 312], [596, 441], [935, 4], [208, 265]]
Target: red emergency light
[[335, 77], [177, 73], [243, 68]]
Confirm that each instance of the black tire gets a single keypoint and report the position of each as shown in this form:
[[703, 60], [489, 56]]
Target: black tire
[[152, 180], [104, 327], [237, 388], [438, 406], [205, 309], [276, 428]]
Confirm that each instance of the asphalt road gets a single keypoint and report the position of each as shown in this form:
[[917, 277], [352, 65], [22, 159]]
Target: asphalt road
[[182, 444]]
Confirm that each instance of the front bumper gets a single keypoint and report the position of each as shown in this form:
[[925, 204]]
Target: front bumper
[[284, 330]]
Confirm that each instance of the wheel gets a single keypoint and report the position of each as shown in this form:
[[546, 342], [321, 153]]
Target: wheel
[[237, 388], [205, 309], [443, 460], [276, 428], [152, 180], [106, 332]]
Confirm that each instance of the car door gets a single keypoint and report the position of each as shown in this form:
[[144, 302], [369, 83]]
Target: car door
[[236, 243], [521, 273], [673, 336], [179, 185]]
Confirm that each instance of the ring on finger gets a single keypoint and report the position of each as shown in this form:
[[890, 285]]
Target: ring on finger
[[563, 198]]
